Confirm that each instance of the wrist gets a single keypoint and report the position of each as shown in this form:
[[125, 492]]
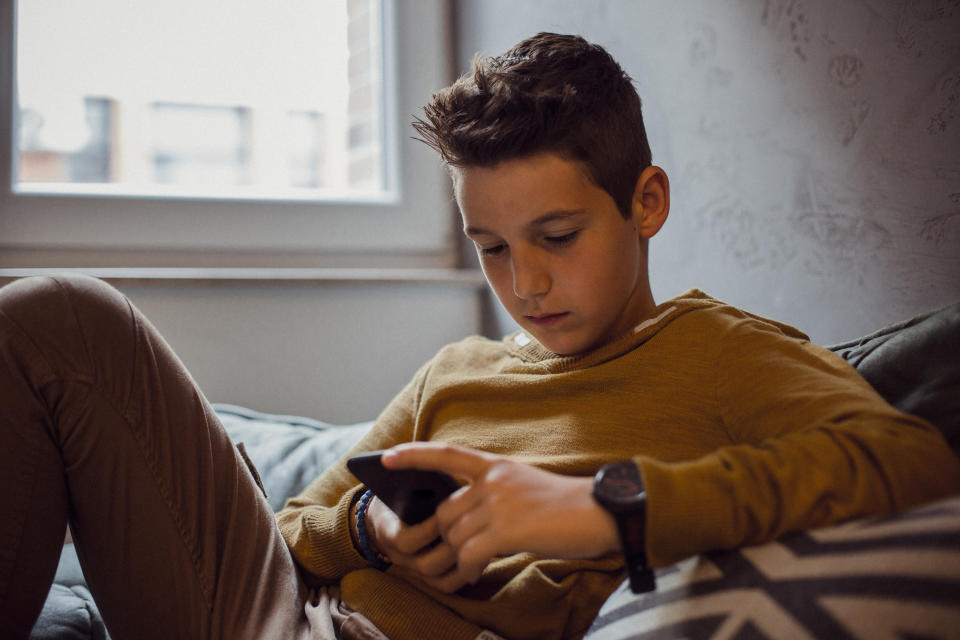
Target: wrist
[[599, 533], [608, 536], [618, 488], [363, 540], [352, 522]]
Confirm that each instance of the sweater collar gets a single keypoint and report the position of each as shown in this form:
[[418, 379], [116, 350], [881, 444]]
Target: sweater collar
[[529, 349]]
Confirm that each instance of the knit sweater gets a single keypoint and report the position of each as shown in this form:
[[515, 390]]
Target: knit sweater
[[742, 430]]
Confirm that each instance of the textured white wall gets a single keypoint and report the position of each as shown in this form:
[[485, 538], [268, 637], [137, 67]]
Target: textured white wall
[[812, 145]]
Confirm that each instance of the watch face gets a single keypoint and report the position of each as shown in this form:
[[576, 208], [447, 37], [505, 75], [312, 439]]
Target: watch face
[[620, 483]]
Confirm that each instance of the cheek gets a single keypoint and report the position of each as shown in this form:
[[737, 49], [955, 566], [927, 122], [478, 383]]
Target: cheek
[[612, 272], [499, 280], [594, 269]]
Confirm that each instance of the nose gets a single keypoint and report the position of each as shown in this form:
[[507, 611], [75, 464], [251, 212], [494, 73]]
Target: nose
[[531, 276]]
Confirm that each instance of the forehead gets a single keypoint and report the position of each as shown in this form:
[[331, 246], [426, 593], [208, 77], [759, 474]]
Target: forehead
[[518, 191]]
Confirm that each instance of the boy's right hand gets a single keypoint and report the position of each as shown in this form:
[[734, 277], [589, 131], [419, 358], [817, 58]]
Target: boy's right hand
[[417, 548]]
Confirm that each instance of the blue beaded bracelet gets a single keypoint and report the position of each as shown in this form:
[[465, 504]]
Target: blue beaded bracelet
[[372, 556]]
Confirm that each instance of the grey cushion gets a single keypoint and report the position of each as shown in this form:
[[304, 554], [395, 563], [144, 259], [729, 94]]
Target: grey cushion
[[915, 366], [69, 613], [288, 451]]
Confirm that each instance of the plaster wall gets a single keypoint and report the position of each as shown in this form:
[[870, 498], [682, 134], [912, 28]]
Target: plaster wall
[[812, 145]]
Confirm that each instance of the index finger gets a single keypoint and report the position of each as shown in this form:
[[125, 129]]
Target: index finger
[[438, 456]]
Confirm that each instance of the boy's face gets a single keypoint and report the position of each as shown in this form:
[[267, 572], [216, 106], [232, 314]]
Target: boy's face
[[556, 251]]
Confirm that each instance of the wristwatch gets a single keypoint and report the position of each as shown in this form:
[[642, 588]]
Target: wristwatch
[[618, 488]]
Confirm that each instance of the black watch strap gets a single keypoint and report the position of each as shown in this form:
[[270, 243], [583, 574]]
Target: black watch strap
[[632, 538], [619, 489]]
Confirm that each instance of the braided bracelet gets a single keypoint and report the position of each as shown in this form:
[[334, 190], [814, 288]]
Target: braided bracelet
[[377, 560]]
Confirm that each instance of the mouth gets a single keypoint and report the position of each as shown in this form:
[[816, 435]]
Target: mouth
[[547, 319]]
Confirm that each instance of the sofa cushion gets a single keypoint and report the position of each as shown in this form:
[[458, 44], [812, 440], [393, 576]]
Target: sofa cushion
[[69, 613], [289, 452], [892, 577], [915, 366]]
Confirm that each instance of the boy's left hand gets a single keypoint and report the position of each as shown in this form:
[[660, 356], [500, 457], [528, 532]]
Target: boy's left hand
[[510, 507]]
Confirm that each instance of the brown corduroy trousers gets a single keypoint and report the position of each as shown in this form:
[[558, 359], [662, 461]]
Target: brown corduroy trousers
[[101, 426]]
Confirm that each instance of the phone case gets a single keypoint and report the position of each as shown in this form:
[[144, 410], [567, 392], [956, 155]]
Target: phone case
[[412, 494]]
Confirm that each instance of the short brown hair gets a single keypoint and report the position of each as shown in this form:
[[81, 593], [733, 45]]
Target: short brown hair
[[549, 93]]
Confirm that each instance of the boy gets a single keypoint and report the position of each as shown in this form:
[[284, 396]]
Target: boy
[[737, 429], [740, 429]]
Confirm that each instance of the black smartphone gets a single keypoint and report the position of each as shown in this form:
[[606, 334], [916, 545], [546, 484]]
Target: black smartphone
[[412, 494]]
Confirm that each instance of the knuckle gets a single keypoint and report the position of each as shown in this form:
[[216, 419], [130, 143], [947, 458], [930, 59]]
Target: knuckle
[[500, 473]]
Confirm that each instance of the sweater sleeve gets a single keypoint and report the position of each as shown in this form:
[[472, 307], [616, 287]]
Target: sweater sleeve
[[811, 444], [315, 524]]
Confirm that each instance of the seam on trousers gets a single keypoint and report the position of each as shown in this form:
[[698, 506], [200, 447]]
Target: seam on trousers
[[187, 539], [252, 468], [165, 493], [76, 320], [134, 360], [145, 451], [49, 374]]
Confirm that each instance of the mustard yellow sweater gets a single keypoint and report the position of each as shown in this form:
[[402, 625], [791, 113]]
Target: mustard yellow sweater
[[742, 429]]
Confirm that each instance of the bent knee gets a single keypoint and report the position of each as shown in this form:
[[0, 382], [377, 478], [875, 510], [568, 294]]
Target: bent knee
[[69, 313], [61, 293]]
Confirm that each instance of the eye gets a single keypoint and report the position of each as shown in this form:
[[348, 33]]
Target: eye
[[490, 252], [562, 241]]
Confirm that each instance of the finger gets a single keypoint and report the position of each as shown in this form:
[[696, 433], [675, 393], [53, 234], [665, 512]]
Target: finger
[[436, 561], [456, 505], [474, 556], [449, 582], [468, 524], [394, 538], [413, 540], [439, 456]]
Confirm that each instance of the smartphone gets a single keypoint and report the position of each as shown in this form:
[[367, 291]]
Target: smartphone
[[412, 494]]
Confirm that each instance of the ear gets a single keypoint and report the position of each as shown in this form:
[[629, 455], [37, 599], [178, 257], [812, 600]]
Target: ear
[[651, 201]]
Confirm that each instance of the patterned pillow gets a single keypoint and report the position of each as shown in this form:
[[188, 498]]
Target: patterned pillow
[[892, 577]]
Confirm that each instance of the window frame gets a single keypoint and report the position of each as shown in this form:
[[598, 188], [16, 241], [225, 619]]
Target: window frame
[[411, 225]]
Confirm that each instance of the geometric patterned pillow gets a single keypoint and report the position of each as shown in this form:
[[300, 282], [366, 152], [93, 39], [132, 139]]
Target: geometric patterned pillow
[[891, 577]]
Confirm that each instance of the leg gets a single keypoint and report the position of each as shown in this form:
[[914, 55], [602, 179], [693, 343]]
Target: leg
[[101, 424]]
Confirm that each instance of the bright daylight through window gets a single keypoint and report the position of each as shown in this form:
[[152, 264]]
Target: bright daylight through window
[[201, 98]]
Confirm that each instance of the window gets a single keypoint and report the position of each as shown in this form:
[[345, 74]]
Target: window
[[82, 158], [122, 142]]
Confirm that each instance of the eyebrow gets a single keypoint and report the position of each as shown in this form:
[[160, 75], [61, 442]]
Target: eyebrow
[[550, 216]]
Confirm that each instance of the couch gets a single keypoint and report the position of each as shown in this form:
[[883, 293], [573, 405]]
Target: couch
[[890, 577]]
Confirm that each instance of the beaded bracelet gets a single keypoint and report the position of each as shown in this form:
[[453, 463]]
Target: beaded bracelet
[[374, 558]]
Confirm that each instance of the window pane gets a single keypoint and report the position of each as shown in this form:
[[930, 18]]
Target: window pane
[[252, 96]]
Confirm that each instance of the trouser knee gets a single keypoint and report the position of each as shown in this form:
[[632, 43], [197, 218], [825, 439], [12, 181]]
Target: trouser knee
[[29, 299], [72, 322]]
